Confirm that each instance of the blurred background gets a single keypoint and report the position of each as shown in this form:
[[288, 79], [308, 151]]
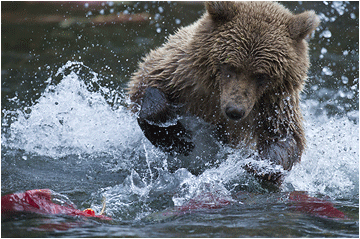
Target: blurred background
[[111, 37]]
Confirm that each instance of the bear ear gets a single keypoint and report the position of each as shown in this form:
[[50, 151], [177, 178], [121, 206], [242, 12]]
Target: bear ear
[[303, 24], [221, 11]]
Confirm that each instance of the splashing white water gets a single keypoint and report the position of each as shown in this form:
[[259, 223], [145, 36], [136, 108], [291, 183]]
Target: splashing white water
[[330, 164], [68, 119]]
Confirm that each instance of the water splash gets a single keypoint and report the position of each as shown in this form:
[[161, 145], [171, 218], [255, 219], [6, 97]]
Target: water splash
[[330, 165], [70, 119]]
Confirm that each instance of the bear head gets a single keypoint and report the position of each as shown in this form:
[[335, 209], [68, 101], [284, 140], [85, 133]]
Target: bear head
[[255, 52]]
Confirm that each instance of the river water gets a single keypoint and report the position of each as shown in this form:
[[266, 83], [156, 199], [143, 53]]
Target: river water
[[66, 127]]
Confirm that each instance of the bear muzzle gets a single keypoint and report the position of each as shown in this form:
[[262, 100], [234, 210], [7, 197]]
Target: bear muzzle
[[235, 113]]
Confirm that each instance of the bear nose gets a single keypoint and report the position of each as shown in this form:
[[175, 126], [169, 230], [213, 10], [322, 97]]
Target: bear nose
[[234, 113]]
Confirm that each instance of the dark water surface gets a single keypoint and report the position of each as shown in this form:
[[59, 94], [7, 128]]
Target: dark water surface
[[65, 127]]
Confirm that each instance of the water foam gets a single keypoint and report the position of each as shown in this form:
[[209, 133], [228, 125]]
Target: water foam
[[69, 119], [330, 164]]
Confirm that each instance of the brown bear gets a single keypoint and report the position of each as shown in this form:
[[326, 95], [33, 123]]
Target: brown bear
[[241, 68]]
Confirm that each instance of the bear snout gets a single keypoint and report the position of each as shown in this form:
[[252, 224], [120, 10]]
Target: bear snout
[[234, 113]]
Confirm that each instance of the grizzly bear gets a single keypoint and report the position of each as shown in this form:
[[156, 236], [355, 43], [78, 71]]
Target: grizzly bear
[[240, 67]]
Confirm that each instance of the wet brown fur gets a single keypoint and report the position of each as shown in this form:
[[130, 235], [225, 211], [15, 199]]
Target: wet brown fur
[[249, 54]]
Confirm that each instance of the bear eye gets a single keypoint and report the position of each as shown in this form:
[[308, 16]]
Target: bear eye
[[229, 71], [262, 78]]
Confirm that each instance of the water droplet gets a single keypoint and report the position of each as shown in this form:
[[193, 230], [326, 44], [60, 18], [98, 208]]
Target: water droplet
[[326, 71], [326, 34], [339, 7], [344, 79]]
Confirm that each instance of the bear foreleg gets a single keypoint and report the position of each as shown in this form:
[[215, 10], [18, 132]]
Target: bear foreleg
[[282, 151], [157, 119]]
